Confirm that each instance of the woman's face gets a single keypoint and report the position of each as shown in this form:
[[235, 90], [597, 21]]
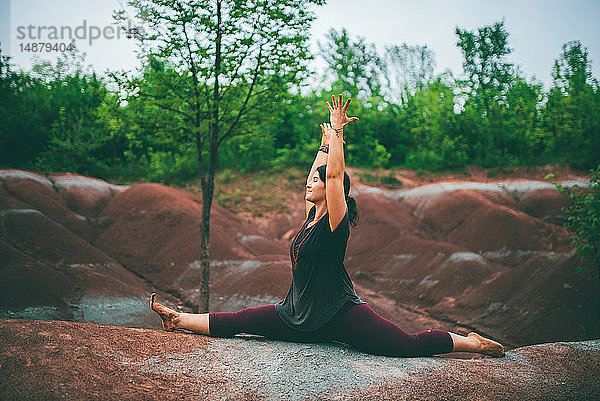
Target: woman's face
[[315, 189]]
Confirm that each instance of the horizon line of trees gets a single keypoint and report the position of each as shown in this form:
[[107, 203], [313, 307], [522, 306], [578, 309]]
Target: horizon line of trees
[[63, 117]]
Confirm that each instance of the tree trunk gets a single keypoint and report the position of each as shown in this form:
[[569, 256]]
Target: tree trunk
[[598, 300], [204, 251], [208, 182]]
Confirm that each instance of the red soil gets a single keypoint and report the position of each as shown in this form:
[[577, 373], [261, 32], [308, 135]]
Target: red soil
[[469, 258]]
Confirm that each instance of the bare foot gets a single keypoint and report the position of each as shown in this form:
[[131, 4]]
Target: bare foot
[[169, 317], [487, 346]]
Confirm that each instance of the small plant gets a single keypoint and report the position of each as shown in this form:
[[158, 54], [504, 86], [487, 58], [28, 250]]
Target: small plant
[[493, 172], [389, 180], [584, 222], [227, 175], [584, 217]]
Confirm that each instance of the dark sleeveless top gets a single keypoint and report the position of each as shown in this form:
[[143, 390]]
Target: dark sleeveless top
[[320, 283]]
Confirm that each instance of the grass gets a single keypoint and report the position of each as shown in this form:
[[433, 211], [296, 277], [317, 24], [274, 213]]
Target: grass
[[388, 181], [256, 194]]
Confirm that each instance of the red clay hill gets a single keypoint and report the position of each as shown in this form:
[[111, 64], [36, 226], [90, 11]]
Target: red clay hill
[[462, 256]]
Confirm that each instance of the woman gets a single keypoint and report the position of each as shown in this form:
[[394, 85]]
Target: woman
[[321, 304]]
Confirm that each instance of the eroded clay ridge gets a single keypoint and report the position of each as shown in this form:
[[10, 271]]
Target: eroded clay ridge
[[461, 257]]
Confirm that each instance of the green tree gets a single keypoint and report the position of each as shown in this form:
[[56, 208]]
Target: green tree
[[50, 116], [351, 64], [77, 140], [155, 141], [406, 69], [571, 116], [27, 111], [433, 125], [233, 59], [488, 77], [520, 122]]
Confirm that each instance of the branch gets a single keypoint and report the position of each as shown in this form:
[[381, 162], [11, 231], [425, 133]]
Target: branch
[[194, 77], [163, 106], [255, 94], [253, 106], [237, 118], [235, 74]]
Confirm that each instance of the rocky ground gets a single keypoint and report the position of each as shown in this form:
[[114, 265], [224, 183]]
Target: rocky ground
[[68, 360]]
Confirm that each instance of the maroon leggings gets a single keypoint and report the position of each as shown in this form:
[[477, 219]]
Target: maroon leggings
[[356, 325]]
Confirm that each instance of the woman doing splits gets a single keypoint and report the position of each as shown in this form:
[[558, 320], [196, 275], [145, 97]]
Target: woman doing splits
[[321, 304]]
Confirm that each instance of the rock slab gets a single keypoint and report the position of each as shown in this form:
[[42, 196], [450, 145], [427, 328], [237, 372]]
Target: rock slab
[[70, 360]]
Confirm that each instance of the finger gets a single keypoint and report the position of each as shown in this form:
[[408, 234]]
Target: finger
[[322, 129], [340, 102], [333, 101], [329, 107], [353, 119], [346, 105]]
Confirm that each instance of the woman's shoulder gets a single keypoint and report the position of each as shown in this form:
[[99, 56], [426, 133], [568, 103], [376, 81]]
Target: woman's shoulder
[[343, 225]]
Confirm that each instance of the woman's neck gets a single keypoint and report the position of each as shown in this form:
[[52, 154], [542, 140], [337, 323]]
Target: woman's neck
[[321, 210]]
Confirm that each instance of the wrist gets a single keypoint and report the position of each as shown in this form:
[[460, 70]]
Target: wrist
[[338, 133]]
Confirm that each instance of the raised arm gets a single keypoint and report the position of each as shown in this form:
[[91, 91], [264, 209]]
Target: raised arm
[[336, 201], [320, 160]]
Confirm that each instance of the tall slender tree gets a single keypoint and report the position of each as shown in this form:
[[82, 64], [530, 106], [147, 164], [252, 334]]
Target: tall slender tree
[[234, 57]]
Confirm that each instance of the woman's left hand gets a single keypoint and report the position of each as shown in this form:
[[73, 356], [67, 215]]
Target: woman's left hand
[[337, 113], [327, 131]]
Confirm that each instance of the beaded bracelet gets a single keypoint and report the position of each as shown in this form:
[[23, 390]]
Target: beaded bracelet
[[324, 148]]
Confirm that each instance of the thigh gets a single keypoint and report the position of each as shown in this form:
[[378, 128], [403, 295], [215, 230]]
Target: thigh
[[259, 320], [364, 329]]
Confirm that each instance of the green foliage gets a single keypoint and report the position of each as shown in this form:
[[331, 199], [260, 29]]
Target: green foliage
[[405, 70], [352, 64], [173, 167], [571, 117], [584, 218], [388, 180], [61, 117], [488, 78], [77, 140], [584, 223], [27, 111]]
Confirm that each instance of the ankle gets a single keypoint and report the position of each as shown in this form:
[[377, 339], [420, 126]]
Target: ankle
[[176, 321]]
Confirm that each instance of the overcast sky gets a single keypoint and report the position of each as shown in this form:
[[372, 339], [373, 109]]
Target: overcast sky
[[537, 28]]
